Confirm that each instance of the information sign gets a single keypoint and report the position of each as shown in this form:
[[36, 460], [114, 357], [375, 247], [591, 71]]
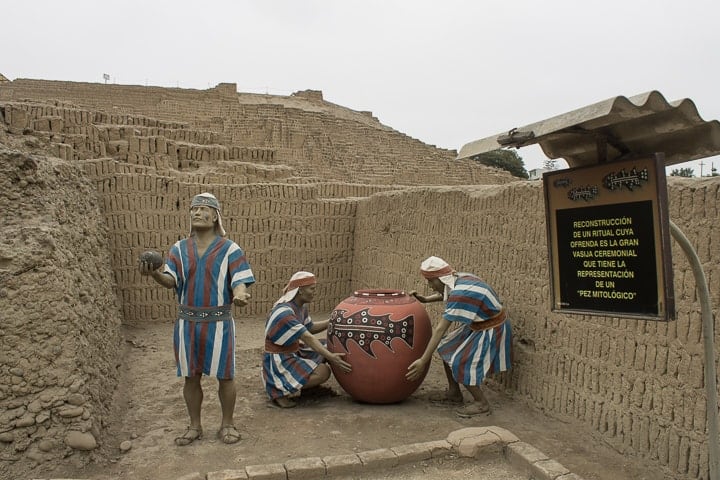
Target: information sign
[[608, 239]]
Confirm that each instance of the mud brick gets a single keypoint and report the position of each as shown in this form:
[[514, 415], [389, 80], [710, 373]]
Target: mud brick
[[192, 476], [476, 445], [505, 436], [380, 458], [113, 134], [569, 476], [457, 436], [522, 456], [305, 468], [42, 125], [134, 144], [342, 464], [161, 145], [439, 448], [412, 452], [56, 124], [548, 469], [272, 471]]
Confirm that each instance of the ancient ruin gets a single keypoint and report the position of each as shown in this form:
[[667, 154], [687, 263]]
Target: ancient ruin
[[94, 174]]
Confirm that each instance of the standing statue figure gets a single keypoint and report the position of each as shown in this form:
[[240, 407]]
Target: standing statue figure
[[209, 274], [481, 343]]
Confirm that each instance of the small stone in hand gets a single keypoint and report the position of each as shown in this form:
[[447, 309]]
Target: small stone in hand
[[153, 258]]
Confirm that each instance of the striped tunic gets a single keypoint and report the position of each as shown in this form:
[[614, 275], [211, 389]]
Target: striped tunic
[[286, 373], [206, 347], [473, 354]]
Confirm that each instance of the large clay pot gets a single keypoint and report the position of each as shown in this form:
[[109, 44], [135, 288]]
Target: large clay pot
[[381, 333]]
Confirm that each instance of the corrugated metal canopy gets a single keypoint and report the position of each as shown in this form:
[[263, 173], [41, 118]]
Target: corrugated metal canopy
[[643, 124]]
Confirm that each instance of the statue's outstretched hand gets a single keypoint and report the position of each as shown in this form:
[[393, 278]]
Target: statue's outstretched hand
[[415, 370], [242, 299], [336, 359]]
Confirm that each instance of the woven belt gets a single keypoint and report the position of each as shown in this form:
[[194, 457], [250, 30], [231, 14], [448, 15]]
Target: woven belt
[[205, 314], [271, 347], [492, 322]]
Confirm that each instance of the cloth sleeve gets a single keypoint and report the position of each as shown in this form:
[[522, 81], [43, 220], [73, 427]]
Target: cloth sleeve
[[283, 327]]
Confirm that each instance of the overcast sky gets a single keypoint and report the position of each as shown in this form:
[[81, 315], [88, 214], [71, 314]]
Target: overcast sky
[[446, 72]]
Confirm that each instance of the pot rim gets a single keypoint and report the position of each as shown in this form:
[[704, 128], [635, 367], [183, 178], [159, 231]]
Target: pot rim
[[379, 292]]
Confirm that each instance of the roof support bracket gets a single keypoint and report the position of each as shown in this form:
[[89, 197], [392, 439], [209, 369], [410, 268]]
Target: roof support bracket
[[515, 138]]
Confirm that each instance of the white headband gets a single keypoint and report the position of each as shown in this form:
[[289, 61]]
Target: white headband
[[299, 279], [436, 267]]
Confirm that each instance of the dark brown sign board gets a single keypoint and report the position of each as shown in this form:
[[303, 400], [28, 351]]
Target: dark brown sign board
[[609, 239]]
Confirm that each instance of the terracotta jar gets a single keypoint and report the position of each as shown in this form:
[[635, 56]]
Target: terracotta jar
[[381, 333]]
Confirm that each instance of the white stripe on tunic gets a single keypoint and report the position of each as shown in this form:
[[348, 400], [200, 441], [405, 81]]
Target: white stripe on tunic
[[182, 356], [458, 350], [291, 332], [503, 351], [275, 314], [217, 348], [242, 276], [461, 312], [222, 275], [285, 375], [484, 291], [488, 358], [474, 360], [181, 273]]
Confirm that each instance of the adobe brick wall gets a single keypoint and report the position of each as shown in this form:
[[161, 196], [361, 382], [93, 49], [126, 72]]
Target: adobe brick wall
[[282, 228], [301, 189], [123, 183], [315, 137], [638, 383]]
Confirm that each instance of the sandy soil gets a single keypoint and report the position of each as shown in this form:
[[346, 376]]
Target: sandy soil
[[149, 412]]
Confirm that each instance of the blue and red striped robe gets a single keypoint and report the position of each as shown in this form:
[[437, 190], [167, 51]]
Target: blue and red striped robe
[[472, 355], [286, 373], [208, 281]]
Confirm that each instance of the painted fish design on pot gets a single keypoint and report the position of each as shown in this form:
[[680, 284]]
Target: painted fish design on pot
[[364, 328]]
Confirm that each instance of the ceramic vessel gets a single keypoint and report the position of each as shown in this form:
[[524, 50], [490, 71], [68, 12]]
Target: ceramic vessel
[[381, 333]]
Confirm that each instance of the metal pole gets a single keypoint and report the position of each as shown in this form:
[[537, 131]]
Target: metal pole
[[709, 344]]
